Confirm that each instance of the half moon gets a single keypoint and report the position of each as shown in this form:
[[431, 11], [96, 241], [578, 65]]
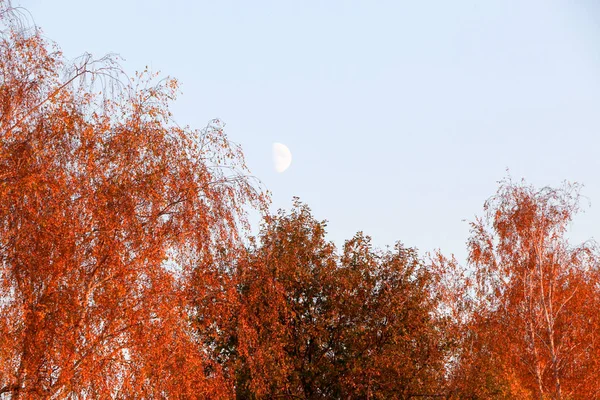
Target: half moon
[[282, 157]]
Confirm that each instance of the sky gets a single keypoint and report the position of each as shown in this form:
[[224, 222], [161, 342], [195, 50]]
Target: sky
[[401, 116]]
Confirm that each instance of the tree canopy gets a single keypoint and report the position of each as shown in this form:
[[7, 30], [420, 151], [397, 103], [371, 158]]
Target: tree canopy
[[127, 269]]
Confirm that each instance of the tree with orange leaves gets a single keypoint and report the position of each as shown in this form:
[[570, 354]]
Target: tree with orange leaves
[[285, 288], [312, 324], [390, 328], [106, 208], [533, 332]]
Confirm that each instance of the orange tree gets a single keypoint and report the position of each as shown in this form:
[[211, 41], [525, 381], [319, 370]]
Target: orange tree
[[311, 324], [285, 284], [391, 332], [106, 208], [533, 331]]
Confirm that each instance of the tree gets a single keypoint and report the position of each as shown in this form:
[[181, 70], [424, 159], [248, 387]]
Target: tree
[[315, 325], [106, 208], [533, 332], [285, 287], [391, 334]]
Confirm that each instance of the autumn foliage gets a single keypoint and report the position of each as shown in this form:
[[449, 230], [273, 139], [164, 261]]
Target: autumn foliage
[[532, 332], [106, 209], [127, 271]]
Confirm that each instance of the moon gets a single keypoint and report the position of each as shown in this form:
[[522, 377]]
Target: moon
[[282, 157]]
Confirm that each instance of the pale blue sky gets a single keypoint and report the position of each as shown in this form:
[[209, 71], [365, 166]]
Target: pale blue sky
[[401, 116]]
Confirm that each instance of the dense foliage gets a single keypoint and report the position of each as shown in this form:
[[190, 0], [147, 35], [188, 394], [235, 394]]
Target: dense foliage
[[126, 270]]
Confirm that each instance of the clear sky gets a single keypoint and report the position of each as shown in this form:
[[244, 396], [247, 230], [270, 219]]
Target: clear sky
[[401, 115]]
